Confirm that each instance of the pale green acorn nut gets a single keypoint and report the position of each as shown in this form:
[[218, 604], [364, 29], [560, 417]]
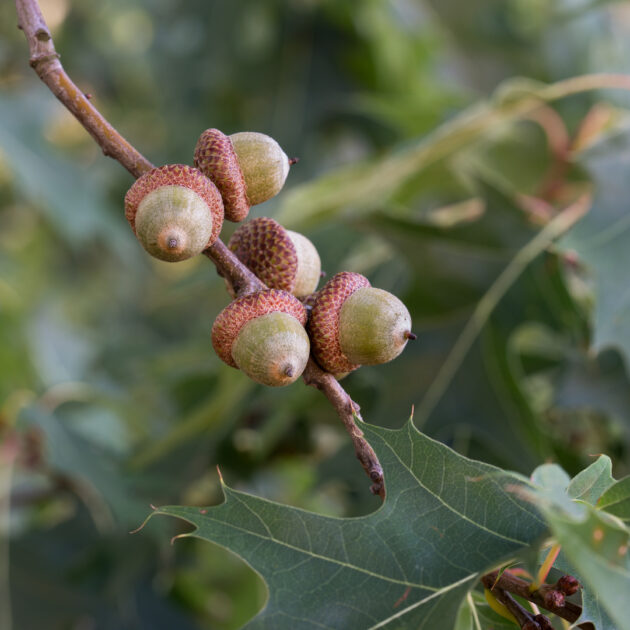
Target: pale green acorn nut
[[374, 326], [264, 164], [172, 223], [272, 349], [309, 266]]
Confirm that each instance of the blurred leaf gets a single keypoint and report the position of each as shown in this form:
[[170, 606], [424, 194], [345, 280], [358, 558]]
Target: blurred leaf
[[319, 571], [601, 240], [47, 178], [595, 543], [592, 482], [96, 476], [616, 499], [363, 188]]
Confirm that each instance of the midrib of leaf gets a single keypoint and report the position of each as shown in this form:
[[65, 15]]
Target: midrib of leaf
[[281, 543], [438, 593]]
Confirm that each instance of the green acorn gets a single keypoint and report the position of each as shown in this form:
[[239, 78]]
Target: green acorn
[[175, 211], [282, 259], [263, 334], [354, 324], [247, 167]]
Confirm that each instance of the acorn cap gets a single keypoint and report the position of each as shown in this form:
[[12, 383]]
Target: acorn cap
[[216, 158], [280, 258], [323, 325], [374, 326], [175, 211], [233, 317]]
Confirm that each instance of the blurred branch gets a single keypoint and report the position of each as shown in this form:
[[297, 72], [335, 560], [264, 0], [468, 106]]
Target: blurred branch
[[44, 59], [505, 581]]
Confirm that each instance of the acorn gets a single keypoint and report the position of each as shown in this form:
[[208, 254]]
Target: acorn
[[263, 334], [175, 211], [354, 324], [247, 167], [282, 259]]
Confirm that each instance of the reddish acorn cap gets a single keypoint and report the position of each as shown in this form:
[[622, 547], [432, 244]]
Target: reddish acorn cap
[[233, 317], [323, 325], [216, 158], [176, 175], [264, 247]]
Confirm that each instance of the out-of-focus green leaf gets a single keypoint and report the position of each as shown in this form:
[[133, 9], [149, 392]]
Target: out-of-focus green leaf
[[601, 239], [594, 542], [366, 187], [72, 197], [95, 474], [590, 484], [616, 499]]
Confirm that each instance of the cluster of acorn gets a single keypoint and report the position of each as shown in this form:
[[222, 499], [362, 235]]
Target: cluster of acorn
[[177, 211]]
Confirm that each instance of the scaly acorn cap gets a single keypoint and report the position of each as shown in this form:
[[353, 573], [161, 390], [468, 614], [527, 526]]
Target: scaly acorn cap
[[263, 334], [354, 324], [247, 167], [175, 211], [282, 259], [323, 325]]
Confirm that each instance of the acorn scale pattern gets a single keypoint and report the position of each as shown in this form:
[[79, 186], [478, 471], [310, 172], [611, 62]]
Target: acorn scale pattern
[[266, 249], [233, 317], [176, 175], [215, 157], [323, 325]]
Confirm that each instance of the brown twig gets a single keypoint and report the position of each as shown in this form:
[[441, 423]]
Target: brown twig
[[512, 584], [525, 619], [347, 410], [241, 279], [45, 61]]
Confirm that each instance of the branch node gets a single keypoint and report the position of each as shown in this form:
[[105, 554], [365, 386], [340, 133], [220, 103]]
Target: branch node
[[42, 35]]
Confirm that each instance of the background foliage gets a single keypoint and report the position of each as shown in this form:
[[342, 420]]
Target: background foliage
[[110, 395]]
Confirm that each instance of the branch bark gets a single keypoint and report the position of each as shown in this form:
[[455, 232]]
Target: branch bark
[[512, 584], [44, 59]]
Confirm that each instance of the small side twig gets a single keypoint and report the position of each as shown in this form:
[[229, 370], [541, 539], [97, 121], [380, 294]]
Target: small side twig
[[512, 584], [525, 619], [45, 61]]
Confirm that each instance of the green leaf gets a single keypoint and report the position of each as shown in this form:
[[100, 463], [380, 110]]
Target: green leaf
[[595, 546], [592, 482], [593, 542], [601, 239], [445, 520], [616, 499]]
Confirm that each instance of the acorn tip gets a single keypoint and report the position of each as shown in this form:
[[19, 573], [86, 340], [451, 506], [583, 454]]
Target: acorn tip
[[411, 336], [293, 160]]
